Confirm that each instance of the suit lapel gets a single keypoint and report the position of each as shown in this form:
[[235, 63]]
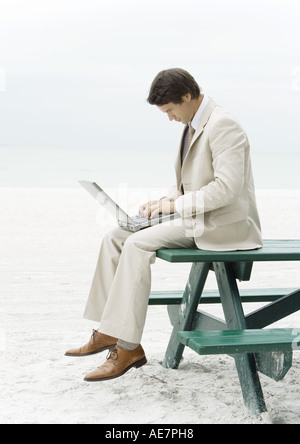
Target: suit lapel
[[178, 159], [203, 121]]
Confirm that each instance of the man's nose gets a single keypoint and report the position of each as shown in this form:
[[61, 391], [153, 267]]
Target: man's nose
[[171, 117]]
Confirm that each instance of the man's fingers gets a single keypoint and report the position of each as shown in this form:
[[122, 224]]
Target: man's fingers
[[156, 207], [152, 210], [142, 209], [146, 208], [154, 213]]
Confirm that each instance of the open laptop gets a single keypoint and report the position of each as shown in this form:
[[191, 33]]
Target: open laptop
[[131, 223]]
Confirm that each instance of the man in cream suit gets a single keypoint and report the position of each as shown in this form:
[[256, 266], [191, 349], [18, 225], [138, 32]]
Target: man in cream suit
[[215, 197]]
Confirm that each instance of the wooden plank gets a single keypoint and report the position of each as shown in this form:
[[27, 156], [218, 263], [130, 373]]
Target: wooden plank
[[166, 297], [205, 322], [273, 250], [274, 364], [242, 270], [235, 320], [186, 313], [239, 341], [174, 297], [275, 311]]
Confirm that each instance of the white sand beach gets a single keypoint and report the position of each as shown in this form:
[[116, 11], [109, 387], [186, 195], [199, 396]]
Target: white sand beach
[[50, 241]]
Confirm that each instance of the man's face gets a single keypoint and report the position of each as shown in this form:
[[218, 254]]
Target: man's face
[[181, 112]]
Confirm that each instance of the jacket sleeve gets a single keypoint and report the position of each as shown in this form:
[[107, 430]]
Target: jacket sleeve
[[173, 193], [228, 143]]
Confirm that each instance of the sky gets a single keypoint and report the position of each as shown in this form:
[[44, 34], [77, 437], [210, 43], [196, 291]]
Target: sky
[[75, 74]]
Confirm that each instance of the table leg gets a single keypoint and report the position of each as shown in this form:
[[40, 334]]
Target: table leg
[[186, 312], [275, 364], [235, 319]]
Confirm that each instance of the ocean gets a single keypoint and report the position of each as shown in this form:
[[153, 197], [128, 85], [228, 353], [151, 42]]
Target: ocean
[[63, 167]]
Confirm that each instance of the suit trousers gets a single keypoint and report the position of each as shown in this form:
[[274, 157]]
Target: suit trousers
[[121, 286]]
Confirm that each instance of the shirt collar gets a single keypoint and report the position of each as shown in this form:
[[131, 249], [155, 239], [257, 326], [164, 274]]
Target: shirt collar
[[196, 119]]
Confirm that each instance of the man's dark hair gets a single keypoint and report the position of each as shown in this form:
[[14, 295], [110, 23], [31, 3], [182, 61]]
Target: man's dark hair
[[171, 85]]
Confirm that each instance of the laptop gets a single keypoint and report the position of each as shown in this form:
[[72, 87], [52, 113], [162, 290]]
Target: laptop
[[131, 223]]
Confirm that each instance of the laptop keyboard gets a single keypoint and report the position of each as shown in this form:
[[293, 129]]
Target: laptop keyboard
[[139, 219]]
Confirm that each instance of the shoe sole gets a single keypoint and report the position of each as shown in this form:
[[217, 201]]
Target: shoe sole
[[79, 355], [136, 364]]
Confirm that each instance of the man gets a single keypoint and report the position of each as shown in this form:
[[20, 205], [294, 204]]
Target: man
[[215, 197]]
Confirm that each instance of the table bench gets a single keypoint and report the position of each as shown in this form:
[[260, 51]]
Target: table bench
[[253, 349], [251, 295], [240, 341]]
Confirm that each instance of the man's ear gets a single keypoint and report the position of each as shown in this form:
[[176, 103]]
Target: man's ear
[[187, 98]]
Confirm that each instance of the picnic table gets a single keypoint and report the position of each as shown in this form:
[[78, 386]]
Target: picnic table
[[244, 337]]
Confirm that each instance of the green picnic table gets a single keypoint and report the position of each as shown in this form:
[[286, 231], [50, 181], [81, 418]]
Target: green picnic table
[[253, 347]]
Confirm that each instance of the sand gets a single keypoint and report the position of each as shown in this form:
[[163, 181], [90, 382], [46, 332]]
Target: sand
[[50, 241]]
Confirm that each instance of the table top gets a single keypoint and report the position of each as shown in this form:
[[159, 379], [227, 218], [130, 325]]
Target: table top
[[273, 250]]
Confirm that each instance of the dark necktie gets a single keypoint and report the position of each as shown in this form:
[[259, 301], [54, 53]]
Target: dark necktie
[[186, 147]]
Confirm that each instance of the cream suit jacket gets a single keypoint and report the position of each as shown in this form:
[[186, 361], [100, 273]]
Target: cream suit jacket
[[218, 204]]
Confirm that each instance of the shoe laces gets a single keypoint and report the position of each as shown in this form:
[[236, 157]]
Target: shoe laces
[[93, 336], [112, 354]]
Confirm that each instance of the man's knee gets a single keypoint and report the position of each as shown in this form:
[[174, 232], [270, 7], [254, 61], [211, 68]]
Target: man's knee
[[139, 240], [116, 237]]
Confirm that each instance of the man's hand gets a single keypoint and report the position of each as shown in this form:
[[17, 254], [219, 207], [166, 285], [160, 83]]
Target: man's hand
[[155, 207]]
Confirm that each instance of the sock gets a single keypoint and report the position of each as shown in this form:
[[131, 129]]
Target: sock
[[127, 345]]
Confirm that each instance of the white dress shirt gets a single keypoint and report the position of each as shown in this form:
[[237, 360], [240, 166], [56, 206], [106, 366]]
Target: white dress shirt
[[194, 124], [196, 119]]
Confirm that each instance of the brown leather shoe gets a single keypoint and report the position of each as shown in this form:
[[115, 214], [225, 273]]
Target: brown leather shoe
[[98, 343], [119, 361]]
